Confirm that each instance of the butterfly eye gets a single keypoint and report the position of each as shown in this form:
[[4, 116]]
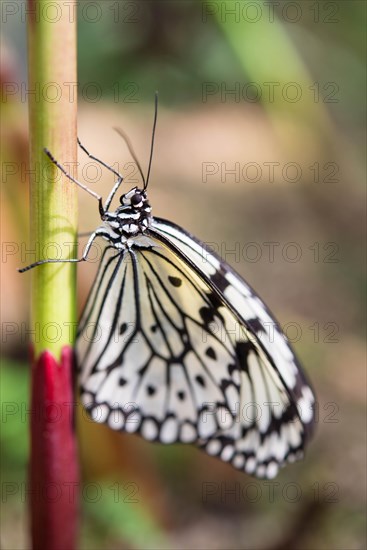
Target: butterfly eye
[[136, 199]]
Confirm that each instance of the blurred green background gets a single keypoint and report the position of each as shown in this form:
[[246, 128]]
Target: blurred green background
[[259, 152]]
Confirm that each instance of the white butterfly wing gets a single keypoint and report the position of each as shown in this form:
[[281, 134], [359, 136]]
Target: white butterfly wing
[[144, 353], [174, 345]]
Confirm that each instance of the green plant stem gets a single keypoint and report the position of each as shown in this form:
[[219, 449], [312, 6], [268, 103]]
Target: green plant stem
[[53, 198]]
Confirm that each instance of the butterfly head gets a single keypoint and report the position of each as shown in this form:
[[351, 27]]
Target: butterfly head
[[135, 198], [133, 216]]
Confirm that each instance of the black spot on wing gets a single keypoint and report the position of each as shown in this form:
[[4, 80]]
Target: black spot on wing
[[255, 325], [211, 353], [232, 368], [219, 281], [225, 384], [242, 350], [175, 281], [210, 315], [216, 300], [200, 380], [207, 315], [123, 328]]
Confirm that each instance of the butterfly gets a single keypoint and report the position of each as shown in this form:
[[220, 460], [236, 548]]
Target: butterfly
[[174, 345]]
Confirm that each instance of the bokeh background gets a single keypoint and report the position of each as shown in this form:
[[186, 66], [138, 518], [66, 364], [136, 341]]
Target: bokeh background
[[259, 152]]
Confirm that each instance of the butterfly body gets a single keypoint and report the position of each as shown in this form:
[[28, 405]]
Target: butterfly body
[[129, 219]]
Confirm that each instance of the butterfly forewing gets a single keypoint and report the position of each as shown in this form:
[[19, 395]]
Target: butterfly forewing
[[249, 309], [277, 405]]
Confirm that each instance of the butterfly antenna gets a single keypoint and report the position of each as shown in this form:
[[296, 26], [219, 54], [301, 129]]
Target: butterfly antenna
[[153, 136], [131, 150]]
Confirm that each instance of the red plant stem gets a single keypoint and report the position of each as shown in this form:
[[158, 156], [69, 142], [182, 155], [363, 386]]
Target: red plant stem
[[54, 477]]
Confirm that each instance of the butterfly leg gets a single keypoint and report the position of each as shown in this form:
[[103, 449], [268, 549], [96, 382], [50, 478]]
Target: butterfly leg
[[94, 235]]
